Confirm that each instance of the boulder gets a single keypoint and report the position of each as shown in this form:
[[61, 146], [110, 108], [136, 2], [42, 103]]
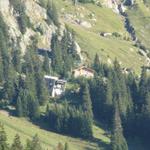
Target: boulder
[[85, 24]]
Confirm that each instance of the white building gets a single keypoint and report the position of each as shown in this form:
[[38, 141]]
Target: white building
[[55, 85]]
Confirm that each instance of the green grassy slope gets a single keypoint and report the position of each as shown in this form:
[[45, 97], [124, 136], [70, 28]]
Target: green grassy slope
[[49, 140], [139, 16], [90, 40], [107, 48]]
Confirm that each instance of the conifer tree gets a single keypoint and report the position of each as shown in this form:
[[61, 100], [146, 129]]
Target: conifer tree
[[30, 83], [23, 98], [57, 62], [120, 89], [109, 95], [86, 101], [1, 70], [16, 60], [3, 28], [17, 143], [96, 65], [3, 139], [118, 142], [144, 120], [86, 126], [4, 54], [52, 13], [108, 102], [9, 88], [33, 107], [133, 86], [22, 18], [41, 90], [19, 109], [28, 145], [28, 62], [142, 89], [66, 146], [46, 64], [35, 143]]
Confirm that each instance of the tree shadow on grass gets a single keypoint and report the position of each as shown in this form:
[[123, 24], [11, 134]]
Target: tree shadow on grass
[[100, 143]]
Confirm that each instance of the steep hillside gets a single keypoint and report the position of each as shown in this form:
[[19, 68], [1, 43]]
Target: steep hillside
[[49, 140], [89, 20], [38, 25], [139, 16], [108, 28]]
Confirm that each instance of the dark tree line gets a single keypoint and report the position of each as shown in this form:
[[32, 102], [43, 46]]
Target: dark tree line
[[110, 88], [64, 54], [71, 120], [21, 82]]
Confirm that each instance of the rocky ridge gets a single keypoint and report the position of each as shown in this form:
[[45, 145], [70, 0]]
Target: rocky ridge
[[37, 16]]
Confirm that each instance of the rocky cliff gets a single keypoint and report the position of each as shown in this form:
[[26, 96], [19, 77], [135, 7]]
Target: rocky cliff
[[37, 16]]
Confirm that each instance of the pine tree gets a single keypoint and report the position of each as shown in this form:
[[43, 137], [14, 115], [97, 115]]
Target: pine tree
[[133, 86], [23, 98], [68, 51], [142, 89], [16, 59], [86, 101], [87, 115], [35, 143], [41, 90], [33, 107], [97, 92], [17, 143], [3, 27], [4, 54], [46, 64], [66, 146], [118, 142], [86, 126], [1, 69], [144, 120], [9, 88], [30, 83], [22, 18], [19, 109], [96, 65], [3, 139], [28, 145], [109, 95], [52, 13], [108, 102], [57, 62], [120, 89]]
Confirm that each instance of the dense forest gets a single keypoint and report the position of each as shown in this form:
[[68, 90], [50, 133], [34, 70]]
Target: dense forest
[[118, 100]]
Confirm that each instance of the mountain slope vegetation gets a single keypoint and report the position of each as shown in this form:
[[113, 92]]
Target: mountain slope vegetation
[[102, 19], [48, 140], [74, 72]]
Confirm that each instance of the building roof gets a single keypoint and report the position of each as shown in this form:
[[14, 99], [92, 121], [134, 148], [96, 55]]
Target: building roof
[[85, 68], [51, 77], [61, 81]]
